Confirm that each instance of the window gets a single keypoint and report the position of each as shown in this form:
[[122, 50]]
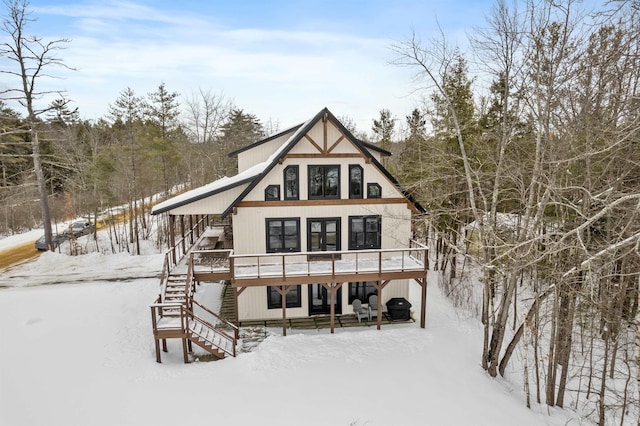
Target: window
[[291, 183], [294, 298], [324, 182], [283, 235], [374, 190], [323, 234], [355, 181], [364, 232], [272, 193], [362, 291]]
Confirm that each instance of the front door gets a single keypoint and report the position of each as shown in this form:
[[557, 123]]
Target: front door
[[320, 300], [324, 235]]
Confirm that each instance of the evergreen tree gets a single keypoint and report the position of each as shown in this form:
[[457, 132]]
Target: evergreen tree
[[241, 129], [383, 129], [412, 165], [162, 110]]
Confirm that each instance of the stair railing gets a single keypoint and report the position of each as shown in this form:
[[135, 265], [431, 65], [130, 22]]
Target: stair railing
[[164, 277], [188, 314], [223, 321]]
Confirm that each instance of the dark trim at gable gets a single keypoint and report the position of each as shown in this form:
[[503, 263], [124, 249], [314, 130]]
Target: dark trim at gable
[[382, 151], [284, 152], [263, 141], [361, 145]]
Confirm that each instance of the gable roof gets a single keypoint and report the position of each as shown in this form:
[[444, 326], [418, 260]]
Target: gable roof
[[263, 141], [374, 147], [254, 174]]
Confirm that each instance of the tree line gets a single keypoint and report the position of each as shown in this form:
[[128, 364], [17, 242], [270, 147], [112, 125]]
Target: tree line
[[524, 152], [526, 157]]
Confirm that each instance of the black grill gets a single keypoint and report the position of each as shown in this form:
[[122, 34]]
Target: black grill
[[399, 309]]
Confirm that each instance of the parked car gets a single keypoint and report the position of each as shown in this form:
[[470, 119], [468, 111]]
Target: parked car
[[79, 228], [57, 240]]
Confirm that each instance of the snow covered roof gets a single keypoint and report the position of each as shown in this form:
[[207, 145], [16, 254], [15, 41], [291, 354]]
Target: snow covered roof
[[254, 174]]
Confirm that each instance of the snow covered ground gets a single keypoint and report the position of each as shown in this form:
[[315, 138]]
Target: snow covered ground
[[77, 349]]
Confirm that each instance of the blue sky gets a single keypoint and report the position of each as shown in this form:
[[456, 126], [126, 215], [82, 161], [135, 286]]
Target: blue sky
[[279, 60]]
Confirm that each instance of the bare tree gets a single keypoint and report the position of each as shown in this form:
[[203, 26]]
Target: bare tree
[[206, 111], [30, 58]]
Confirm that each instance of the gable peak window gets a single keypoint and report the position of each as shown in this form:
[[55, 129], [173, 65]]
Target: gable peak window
[[355, 181], [324, 182], [374, 190], [272, 193]]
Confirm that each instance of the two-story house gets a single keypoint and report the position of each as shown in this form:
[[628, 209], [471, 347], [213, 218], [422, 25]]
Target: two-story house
[[317, 222]]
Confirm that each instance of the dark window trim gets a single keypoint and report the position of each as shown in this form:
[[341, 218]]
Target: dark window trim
[[352, 240], [322, 255], [291, 302], [374, 185], [322, 197], [361, 291], [351, 194], [266, 193], [283, 249], [284, 174]]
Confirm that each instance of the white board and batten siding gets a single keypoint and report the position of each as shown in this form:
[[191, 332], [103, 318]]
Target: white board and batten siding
[[395, 229], [215, 204], [249, 223], [261, 152]]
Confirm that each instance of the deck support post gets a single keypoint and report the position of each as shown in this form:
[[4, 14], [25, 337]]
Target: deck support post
[[191, 231], [332, 306], [236, 293], [423, 304], [172, 238], [379, 286], [379, 309], [184, 350], [332, 288], [184, 246], [158, 359], [283, 290]]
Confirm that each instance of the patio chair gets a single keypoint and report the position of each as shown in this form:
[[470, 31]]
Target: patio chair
[[373, 306], [359, 310]]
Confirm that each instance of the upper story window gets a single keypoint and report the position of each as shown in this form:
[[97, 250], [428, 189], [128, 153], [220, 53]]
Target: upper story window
[[272, 193], [364, 232], [374, 190], [324, 182], [355, 181], [283, 235], [291, 183]]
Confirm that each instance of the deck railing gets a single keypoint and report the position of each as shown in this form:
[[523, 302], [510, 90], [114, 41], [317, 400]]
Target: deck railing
[[270, 265], [164, 277], [185, 242]]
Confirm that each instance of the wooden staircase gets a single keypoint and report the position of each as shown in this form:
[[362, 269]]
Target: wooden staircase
[[173, 316], [215, 341], [174, 290]]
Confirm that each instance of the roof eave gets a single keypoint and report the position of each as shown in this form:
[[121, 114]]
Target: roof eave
[[201, 196]]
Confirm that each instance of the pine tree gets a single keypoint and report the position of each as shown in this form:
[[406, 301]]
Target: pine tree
[[240, 130], [383, 129]]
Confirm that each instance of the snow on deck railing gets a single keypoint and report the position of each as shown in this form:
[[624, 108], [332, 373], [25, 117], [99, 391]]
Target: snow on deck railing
[[329, 262]]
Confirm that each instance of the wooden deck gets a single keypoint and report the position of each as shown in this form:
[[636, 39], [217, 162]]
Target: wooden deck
[[316, 322]]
